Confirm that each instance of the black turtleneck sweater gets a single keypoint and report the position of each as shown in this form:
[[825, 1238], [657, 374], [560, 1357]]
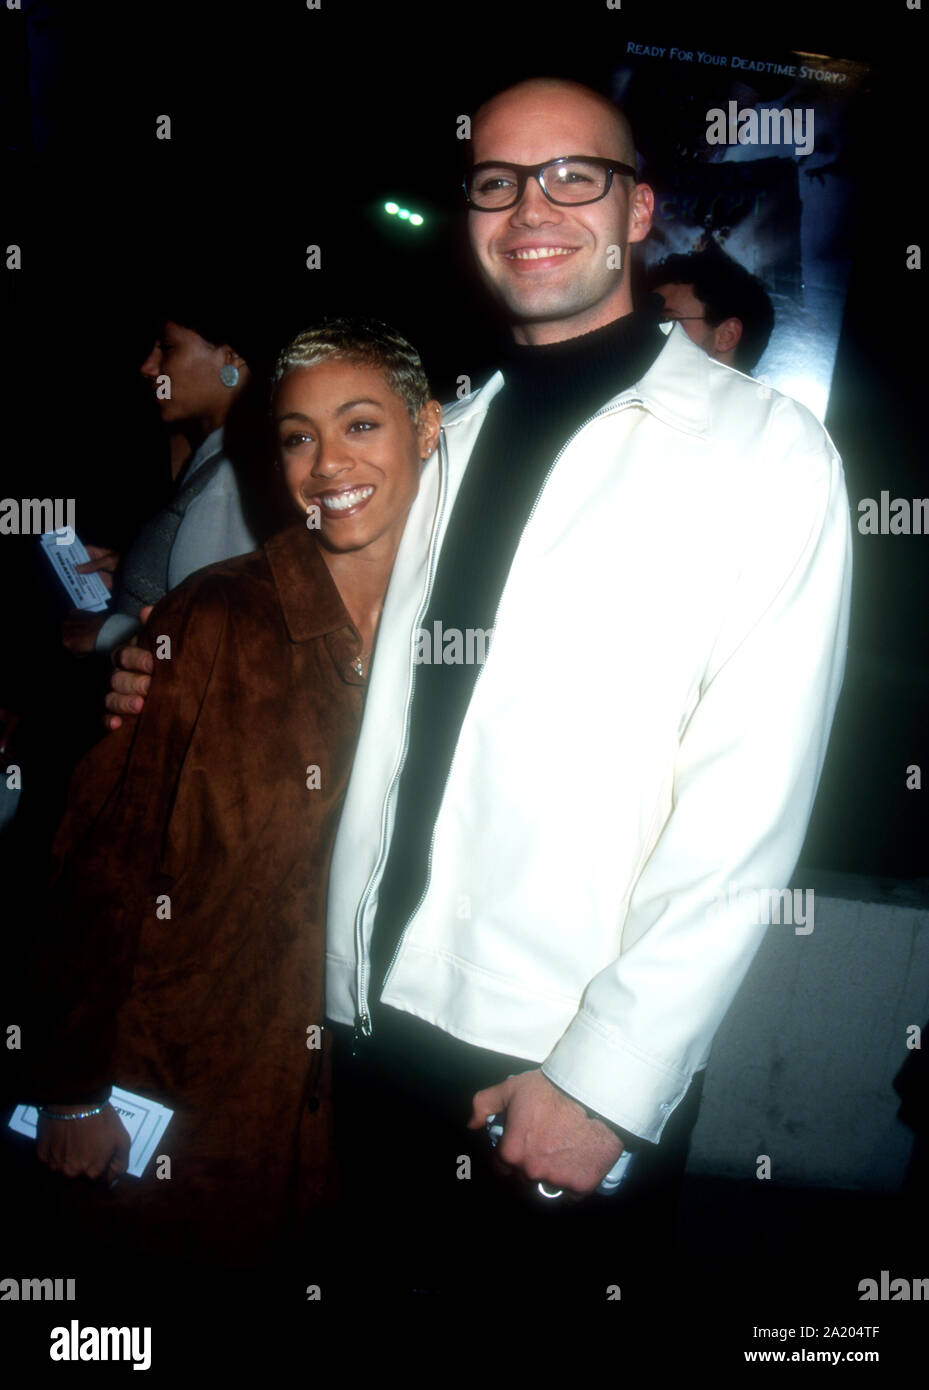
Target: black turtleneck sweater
[[548, 393]]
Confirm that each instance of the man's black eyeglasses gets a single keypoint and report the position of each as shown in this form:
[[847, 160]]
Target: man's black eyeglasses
[[573, 180]]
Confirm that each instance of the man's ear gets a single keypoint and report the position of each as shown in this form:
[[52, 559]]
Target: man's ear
[[641, 208], [428, 426], [727, 336]]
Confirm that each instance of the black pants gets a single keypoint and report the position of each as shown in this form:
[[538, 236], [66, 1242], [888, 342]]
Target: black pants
[[426, 1213]]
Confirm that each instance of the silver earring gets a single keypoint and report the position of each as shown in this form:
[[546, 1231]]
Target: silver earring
[[229, 375]]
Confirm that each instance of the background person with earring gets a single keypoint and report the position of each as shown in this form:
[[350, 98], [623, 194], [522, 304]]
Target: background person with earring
[[203, 389]]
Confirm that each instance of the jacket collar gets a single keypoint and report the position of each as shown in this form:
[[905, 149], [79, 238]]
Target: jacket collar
[[310, 601], [210, 446], [675, 388]]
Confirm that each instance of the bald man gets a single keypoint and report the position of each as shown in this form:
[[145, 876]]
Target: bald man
[[522, 912], [573, 756], [581, 284]]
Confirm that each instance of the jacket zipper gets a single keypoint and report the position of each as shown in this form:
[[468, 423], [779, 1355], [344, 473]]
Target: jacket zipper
[[365, 1020], [363, 1023]]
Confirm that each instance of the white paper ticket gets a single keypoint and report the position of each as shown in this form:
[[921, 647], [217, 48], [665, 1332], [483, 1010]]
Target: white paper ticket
[[86, 591]]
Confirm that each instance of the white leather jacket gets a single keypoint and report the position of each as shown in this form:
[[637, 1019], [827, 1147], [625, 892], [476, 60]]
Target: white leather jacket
[[644, 740]]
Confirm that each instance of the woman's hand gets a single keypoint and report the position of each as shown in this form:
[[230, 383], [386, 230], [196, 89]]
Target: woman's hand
[[129, 684], [102, 561], [95, 1147]]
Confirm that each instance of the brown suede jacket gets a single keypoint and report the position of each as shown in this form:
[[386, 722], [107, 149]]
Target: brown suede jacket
[[185, 938]]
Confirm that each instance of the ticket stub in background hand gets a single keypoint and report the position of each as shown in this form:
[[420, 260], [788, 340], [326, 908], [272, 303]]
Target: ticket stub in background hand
[[146, 1120], [86, 591]]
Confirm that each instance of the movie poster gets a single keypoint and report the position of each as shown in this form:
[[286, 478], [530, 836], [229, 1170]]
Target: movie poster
[[757, 152]]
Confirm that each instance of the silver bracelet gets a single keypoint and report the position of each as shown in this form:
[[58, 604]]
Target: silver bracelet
[[81, 1114]]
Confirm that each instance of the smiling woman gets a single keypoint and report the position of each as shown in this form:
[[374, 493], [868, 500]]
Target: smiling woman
[[333, 449], [186, 957], [354, 423]]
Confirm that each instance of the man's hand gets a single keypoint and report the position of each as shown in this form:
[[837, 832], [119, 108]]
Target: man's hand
[[79, 631], [102, 562], [131, 678], [92, 1148], [547, 1136]]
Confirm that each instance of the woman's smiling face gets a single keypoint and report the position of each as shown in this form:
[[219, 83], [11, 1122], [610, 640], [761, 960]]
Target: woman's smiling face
[[348, 446]]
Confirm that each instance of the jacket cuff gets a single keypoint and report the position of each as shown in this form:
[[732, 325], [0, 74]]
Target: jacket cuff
[[623, 1085]]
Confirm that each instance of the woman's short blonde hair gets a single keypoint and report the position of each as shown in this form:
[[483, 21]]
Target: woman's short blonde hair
[[367, 342]]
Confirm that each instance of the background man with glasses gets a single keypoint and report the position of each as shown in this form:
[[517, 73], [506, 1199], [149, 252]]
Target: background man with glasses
[[721, 306]]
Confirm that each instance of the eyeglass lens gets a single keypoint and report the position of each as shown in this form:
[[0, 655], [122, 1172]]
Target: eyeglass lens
[[574, 181]]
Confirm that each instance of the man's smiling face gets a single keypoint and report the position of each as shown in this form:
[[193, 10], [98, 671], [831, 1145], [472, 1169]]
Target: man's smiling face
[[550, 264]]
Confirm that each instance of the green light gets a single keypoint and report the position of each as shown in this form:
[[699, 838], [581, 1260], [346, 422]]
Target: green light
[[415, 219]]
